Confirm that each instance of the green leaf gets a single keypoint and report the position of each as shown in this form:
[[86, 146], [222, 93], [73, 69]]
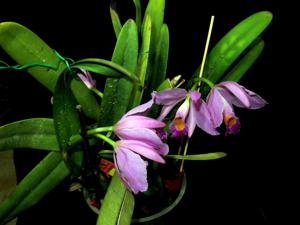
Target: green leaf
[[206, 156], [155, 9], [29, 183], [66, 120], [37, 133], [142, 62], [59, 173], [161, 59], [232, 45], [25, 47], [90, 106], [126, 210], [105, 68], [117, 92], [138, 14], [115, 102], [252, 53], [117, 207], [115, 18]]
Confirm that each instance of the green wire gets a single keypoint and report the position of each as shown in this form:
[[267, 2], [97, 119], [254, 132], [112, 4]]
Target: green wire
[[26, 66]]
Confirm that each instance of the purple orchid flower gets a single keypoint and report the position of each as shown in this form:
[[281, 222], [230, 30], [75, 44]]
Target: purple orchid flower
[[138, 138], [134, 126], [221, 99], [192, 112], [87, 79], [141, 128], [131, 168]]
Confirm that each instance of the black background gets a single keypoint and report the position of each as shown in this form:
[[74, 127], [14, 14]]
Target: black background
[[251, 185]]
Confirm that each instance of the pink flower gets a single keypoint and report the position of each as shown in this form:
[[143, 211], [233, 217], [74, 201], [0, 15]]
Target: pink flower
[[87, 79], [192, 112], [221, 99], [141, 128], [131, 168], [138, 139]]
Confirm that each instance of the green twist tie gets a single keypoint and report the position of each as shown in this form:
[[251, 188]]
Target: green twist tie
[[65, 60], [26, 66], [30, 65]]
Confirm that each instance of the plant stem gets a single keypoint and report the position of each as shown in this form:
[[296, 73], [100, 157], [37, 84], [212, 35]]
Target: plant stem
[[205, 50], [97, 92], [208, 82], [106, 139], [100, 129], [184, 153]]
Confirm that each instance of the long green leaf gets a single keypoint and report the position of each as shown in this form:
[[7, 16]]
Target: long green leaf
[[115, 102], [87, 101], [37, 133], [155, 9], [117, 92], [138, 14], [54, 178], [206, 156], [232, 45], [115, 18], [142, 63], [25, 47], [118, 204], [161, 59], [105, 68], [126, 210], [66, 120], [29, 183], [252, 53]]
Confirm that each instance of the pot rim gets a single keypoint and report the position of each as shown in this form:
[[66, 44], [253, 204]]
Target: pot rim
[[155, 215]]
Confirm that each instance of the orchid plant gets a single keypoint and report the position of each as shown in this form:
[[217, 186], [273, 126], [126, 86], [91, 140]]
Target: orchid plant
[[131, 122]]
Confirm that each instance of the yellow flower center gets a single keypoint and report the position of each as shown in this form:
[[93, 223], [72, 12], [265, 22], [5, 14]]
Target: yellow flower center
[[229, 120], [179, 124]]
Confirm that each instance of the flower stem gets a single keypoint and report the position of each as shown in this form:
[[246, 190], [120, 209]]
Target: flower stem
[[104, 152], [180, 146], [97, 92], [208, 82], [100, 129], [184, 153], [106, 139], [74, 139], [205, 50]]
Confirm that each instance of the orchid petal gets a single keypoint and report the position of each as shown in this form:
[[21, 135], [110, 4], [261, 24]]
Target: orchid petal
[[142, 149], [216, 104], [131, 169], [87, 79], [146, 136], [183, 110], [165, 111], [234, 93], [139, 109], [169, 96], [191, 122], [138, 122], [232, 122], [200, 112], [256, 101]]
